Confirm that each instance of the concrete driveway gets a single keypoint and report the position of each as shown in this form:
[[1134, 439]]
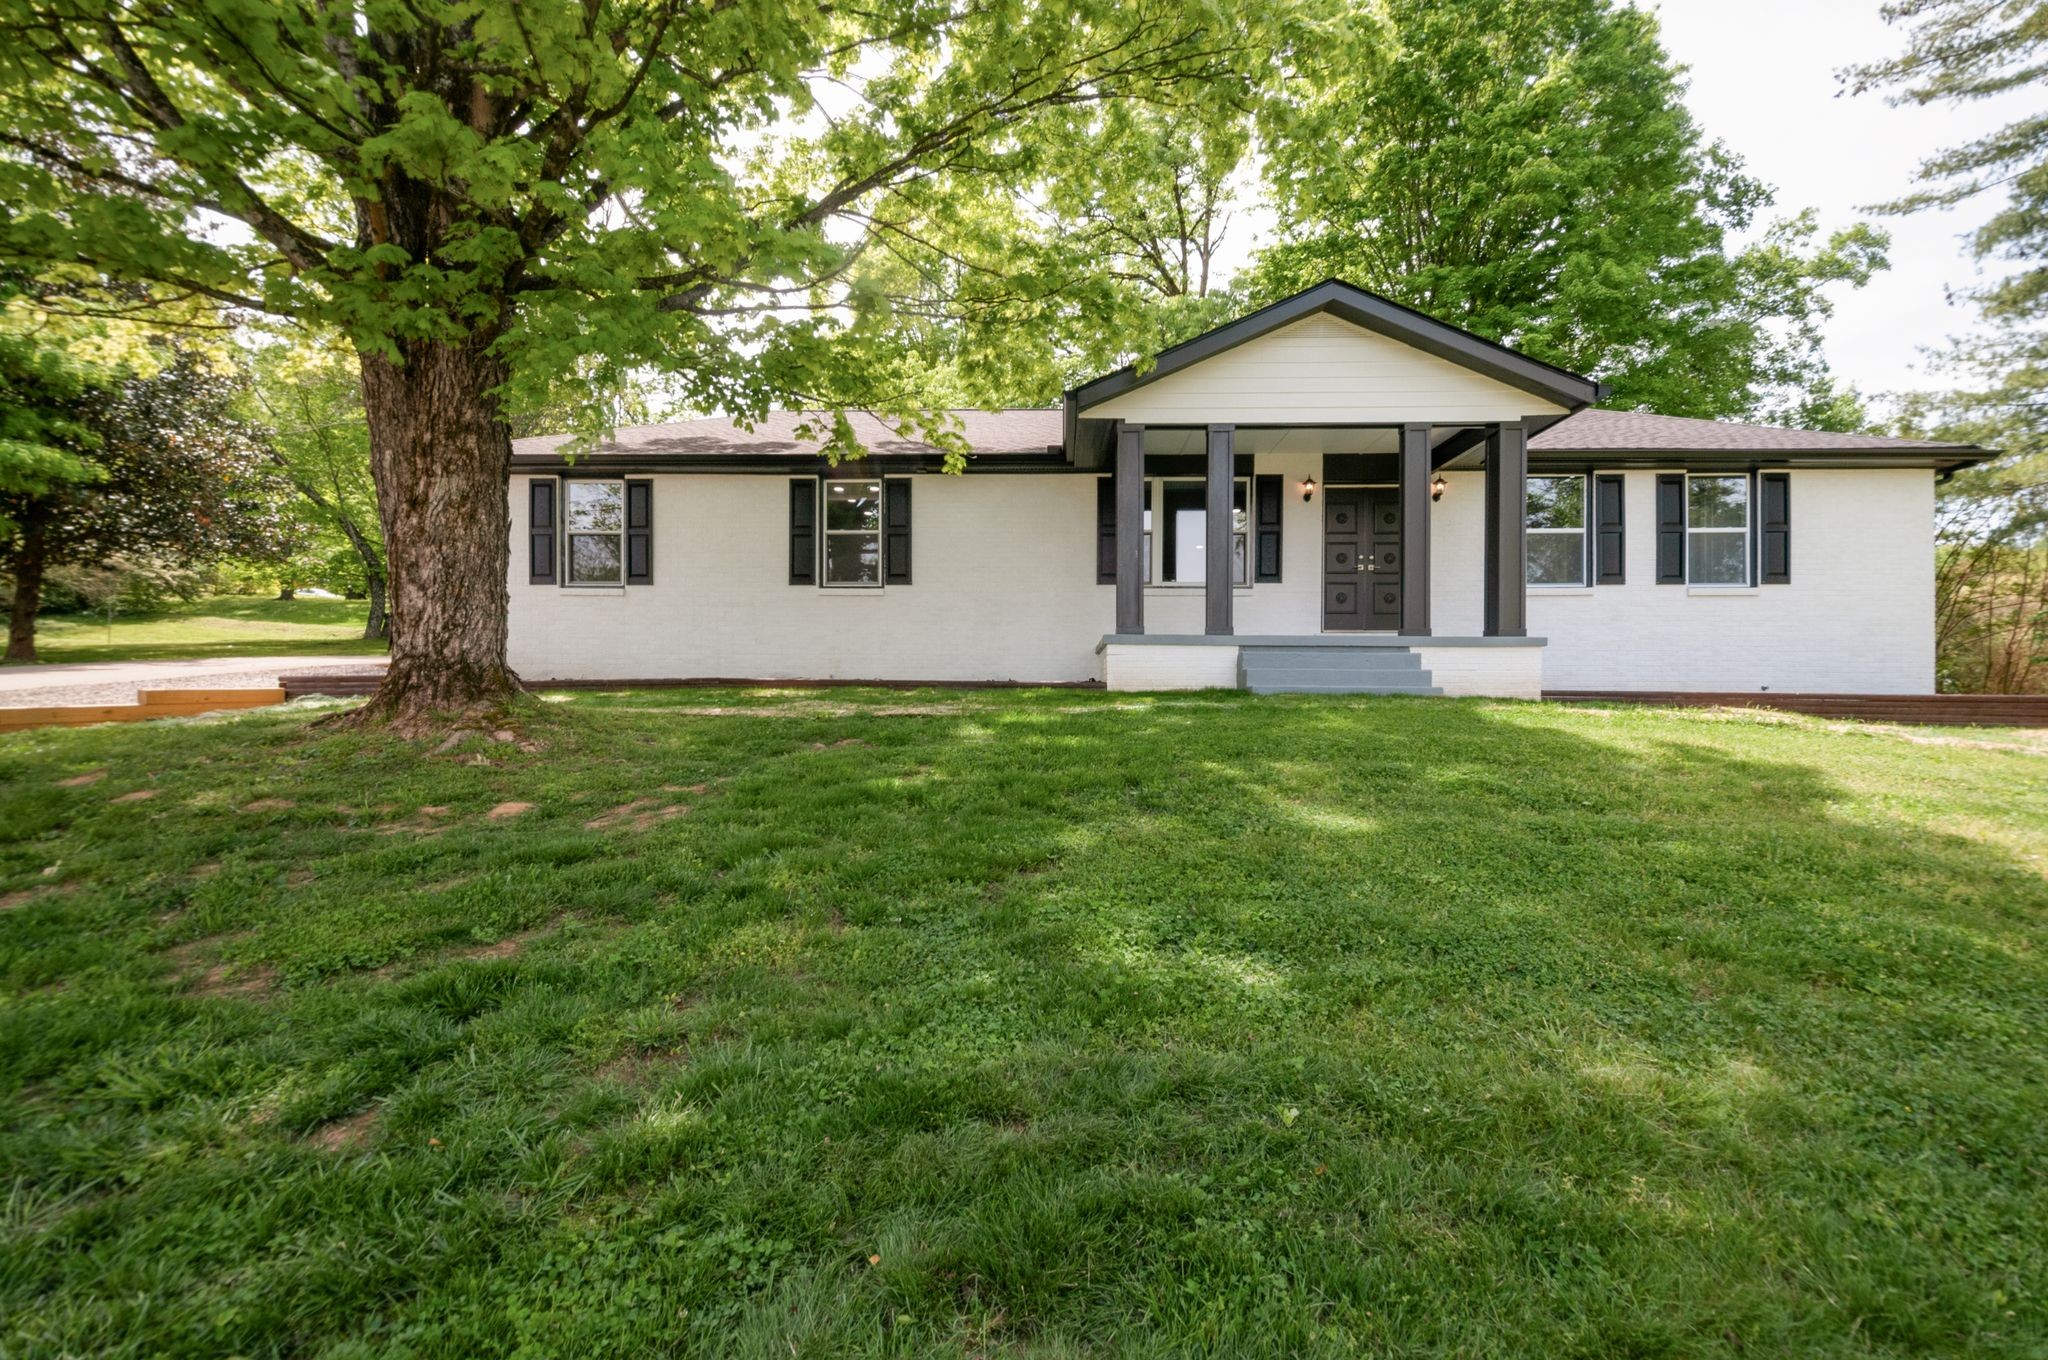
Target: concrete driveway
[[116, 682]]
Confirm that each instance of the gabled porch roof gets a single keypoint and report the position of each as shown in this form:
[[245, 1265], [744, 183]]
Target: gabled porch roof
[[1087, 440]]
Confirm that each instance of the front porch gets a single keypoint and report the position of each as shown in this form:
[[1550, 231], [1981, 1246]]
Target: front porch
[[1325, 663], [1338, 418]]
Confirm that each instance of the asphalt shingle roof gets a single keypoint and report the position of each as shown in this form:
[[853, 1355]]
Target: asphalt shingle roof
[[1032, 430]]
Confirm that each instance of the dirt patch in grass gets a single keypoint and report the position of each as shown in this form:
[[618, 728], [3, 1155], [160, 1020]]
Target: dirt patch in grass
[[235, 979], [206, 870], [640, 1066], [426, 822], [21, 898], [641, 814], [134, 796], [840, 744], [507, 948], [79, 781], [203, 974], [505, 812], [342, 1134], [269, 805]]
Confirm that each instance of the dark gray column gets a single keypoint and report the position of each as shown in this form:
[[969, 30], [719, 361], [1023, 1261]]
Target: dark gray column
[[1217, 560], [1130, 528], [1506, 612], [1415, 531]]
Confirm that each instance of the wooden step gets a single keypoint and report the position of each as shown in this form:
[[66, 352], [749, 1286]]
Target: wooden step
[[1954, 710]]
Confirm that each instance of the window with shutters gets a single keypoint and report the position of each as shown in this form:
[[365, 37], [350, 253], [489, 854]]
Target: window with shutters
[[853, 532], [594, 527], [1717, 530], [1555, 521], [1185, 542]]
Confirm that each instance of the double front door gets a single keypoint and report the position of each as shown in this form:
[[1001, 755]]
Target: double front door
[[1361, 559]]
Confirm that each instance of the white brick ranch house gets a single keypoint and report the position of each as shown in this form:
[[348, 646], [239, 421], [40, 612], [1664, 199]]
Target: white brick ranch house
[[1393, 504]]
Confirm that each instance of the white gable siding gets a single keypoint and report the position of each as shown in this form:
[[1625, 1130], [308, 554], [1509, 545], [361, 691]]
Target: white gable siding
[[1322, 371]]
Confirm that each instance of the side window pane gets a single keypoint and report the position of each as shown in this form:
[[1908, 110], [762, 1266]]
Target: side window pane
[[1718, 503], [1556, 559], [853, 559], [1191, 536], [596, 507], [594, 558], [853, 505], [1557, 503], [1718, 559]]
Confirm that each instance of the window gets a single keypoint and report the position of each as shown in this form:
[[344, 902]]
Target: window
[[595, 521], [853, 533], [1717, 531], [1148, 533], [1556, 523], [1187, 532]]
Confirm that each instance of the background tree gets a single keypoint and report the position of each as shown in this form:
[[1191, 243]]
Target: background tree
[[166, 472], [308, 398], [1992, 586], [484, 194], [1527, 169]]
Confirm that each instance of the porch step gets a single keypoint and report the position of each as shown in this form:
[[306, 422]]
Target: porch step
[[1333, 670]]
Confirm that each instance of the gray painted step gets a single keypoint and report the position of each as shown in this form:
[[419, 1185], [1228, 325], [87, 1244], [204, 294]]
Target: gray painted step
[[1257, 687], [1333, 658], [1391, 681], [1332, 670]]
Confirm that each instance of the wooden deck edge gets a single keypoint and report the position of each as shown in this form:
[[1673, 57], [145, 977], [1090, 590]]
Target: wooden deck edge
[[152, 703], [1956, 710]]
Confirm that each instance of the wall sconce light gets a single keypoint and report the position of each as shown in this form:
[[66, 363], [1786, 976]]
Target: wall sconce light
[[1308, 489], [1437, 489]]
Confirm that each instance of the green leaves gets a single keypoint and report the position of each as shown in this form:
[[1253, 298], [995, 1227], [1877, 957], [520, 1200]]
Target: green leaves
[[768, 200], [1527, 169]]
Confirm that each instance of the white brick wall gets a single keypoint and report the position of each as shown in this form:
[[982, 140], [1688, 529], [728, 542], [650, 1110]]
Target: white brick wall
[[1857, 617], [1143, 667], [1005, 589]]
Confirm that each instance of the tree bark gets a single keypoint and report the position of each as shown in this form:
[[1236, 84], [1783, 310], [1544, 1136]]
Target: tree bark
[[28, 594], [440, 453]]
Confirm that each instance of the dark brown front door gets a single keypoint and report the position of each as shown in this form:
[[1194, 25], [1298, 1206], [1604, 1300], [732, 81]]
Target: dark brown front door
[[1361, 560]]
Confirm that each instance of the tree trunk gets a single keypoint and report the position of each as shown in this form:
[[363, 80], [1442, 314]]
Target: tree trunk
[[440, 453], [28, 594], [378, 624], [287, 592]]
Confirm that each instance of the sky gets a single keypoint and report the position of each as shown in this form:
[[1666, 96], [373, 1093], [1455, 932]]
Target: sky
[[1762, 80]]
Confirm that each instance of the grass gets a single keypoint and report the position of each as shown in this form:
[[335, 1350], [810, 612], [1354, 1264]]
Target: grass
[[1035, 1024], [223, 625]]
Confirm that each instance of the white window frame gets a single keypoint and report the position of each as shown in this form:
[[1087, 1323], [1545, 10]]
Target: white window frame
[[1155, 567], [570, 533], [1748, 527], [1585, 512], [826, 533]]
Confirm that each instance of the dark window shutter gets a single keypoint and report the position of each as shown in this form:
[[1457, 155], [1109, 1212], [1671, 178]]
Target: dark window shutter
[[1105, 531], [803, 531], [1670, 528], [1608, 544], [1266, 494], [1776, 523], [639, 533], [540, 531], [896, 531]]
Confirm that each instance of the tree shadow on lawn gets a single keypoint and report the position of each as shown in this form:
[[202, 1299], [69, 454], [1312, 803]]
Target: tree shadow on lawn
[[1216, 1025]]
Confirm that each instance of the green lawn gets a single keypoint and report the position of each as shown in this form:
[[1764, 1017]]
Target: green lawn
[[225, 625], [1032, 1024]]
